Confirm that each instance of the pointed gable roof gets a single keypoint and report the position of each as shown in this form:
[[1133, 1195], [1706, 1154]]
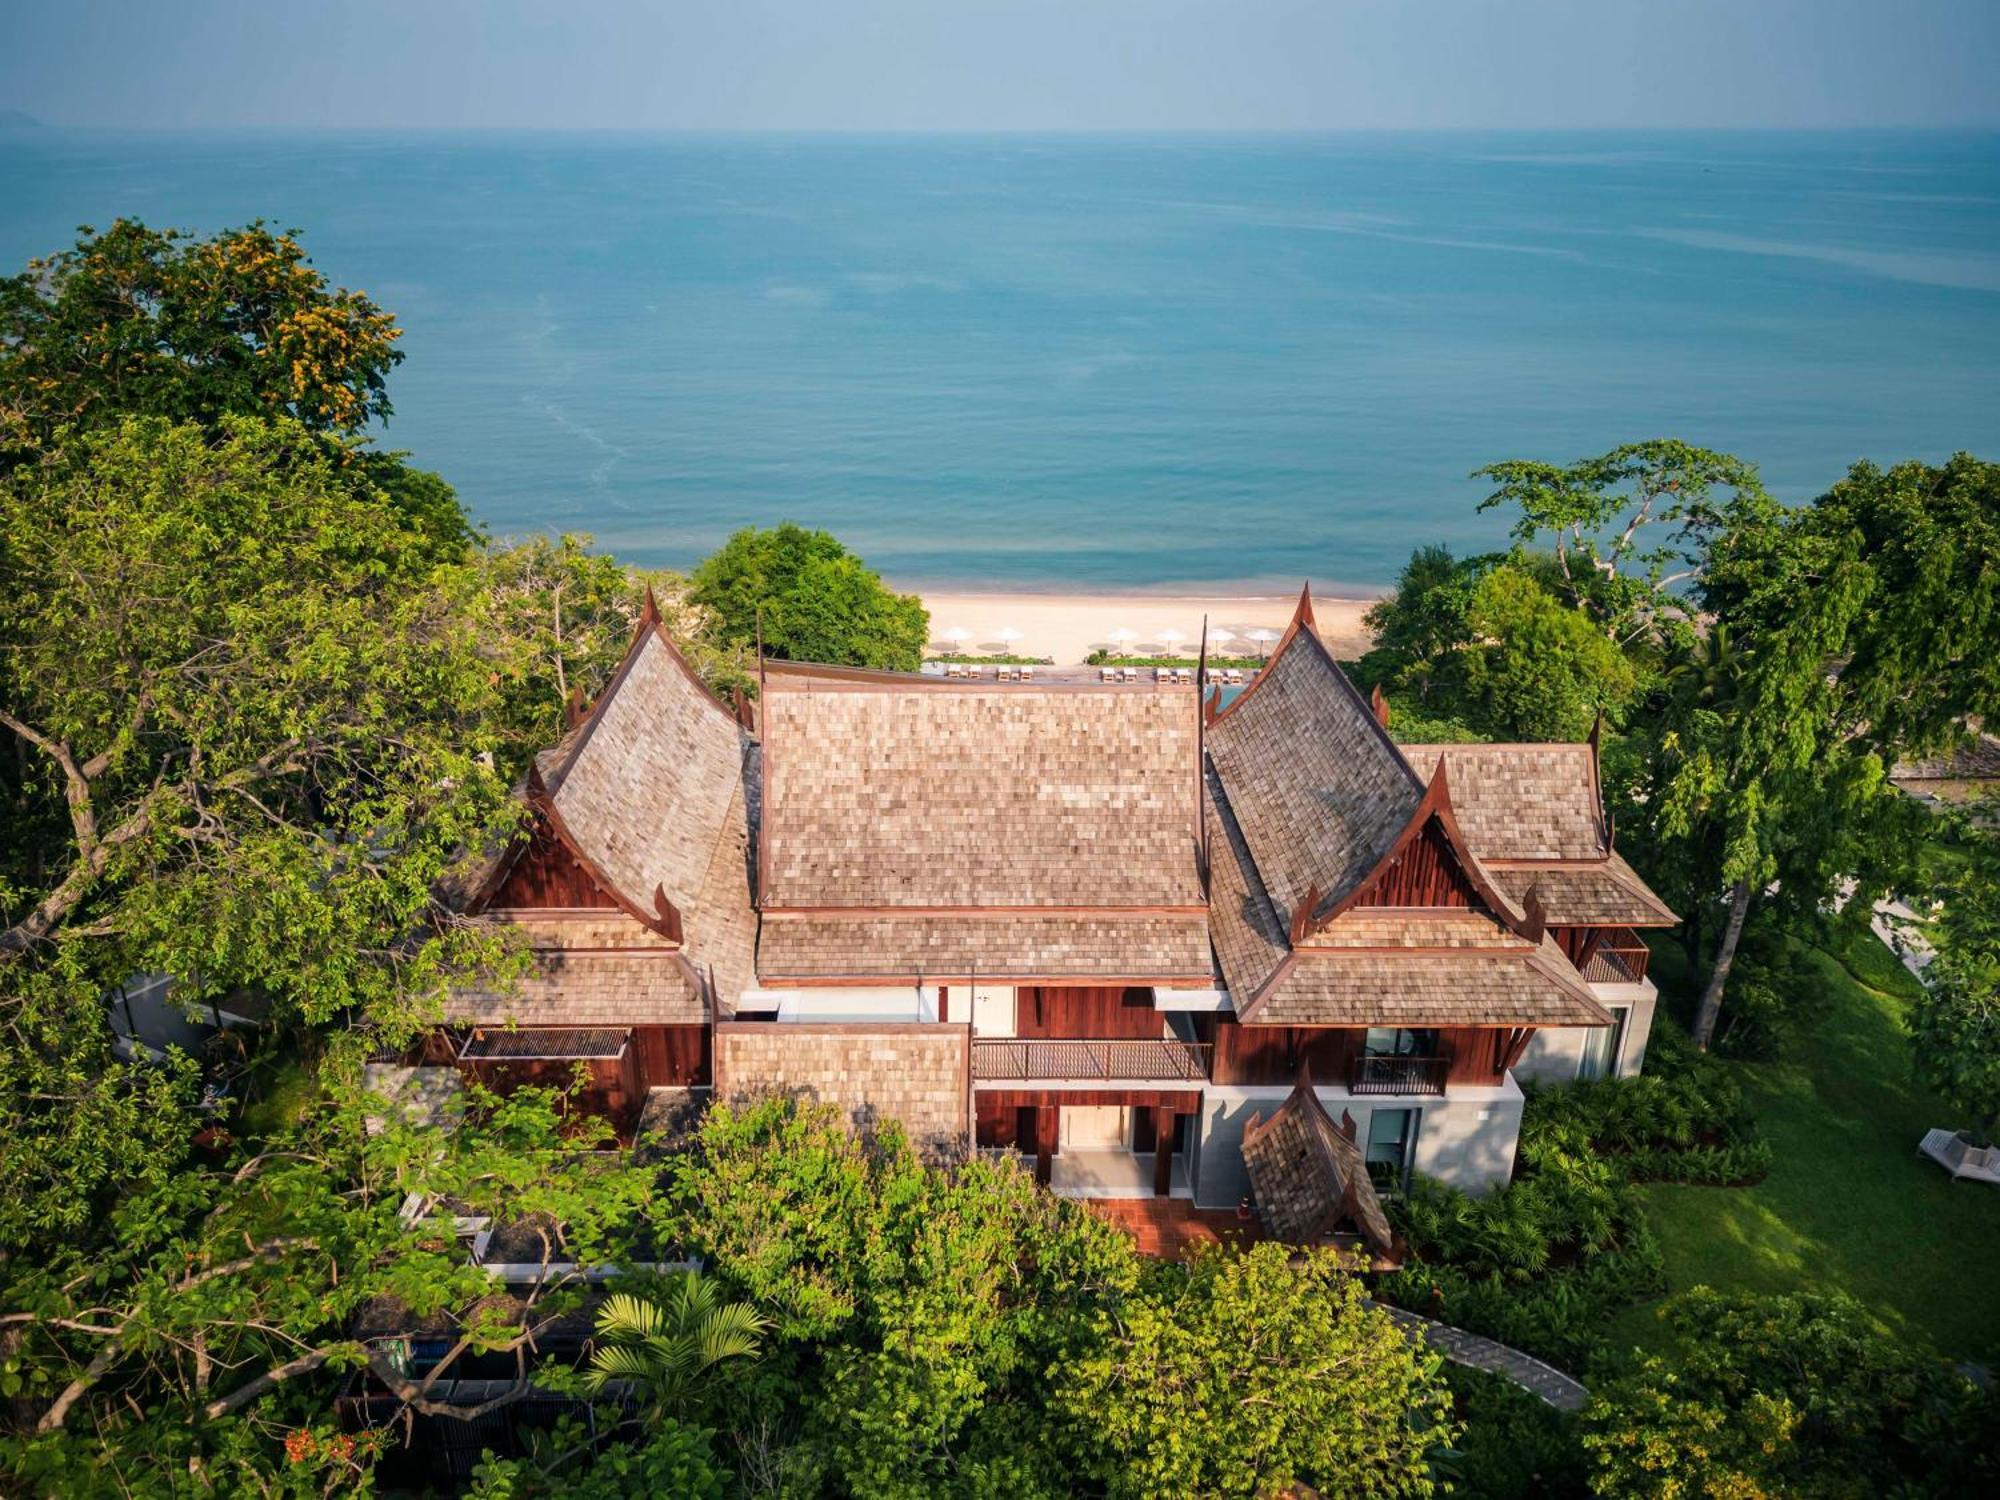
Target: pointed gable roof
[[1309, 1178], [643, 790], [1317, 788]]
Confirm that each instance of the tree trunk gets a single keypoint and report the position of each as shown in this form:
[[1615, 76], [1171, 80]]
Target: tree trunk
[[1711, 998]]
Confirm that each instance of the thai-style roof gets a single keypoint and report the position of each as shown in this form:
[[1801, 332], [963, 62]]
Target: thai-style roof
[[580, 987], [643, 789], [1024, 946], [1312, 779], [1511, 984], [914, 827], [908, 792], [1533, 816], [1310, 1179]]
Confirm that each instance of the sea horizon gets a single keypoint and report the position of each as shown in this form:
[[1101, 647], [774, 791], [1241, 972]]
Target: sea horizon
[[1172, 362]]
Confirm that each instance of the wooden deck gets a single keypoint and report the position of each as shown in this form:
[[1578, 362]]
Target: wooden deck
[[1172, 1228]]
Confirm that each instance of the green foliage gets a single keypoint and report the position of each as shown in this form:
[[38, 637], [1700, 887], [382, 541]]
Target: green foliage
[[1597, 512], [1955, 1023], [1541, 670], [818, 601], [1427, 618], [137, 322], [1249, 1373], [1793, 1395], [1684, 1122], [663, 1345], [1514, 1446], [672, 1460]]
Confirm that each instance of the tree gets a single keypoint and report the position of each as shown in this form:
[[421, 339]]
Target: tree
[[157, 323], [663, 1344], [1870, 623], [1597, 510], [1788, 1395], [1427, 617], [817, 601], [1539, 670], [204, 1326], [1249, 1374], [1955, 1023]]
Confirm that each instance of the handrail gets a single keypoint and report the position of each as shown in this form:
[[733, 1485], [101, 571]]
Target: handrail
[[1398, 1073], [1089, 1058]]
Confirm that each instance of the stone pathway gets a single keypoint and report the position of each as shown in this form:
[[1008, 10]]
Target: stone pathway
[[1476, 1353]]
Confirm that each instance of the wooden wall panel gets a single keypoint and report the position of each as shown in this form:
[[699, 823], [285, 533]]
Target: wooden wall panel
[[1086, 1011], [1425, 874], [671, 1056], [547, 875]]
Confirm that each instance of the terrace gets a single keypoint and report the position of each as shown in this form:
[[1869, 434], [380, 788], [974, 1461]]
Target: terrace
[[1096, 1059]]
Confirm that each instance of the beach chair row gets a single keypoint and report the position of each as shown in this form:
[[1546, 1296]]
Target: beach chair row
[[1230, 675], [998, 674]]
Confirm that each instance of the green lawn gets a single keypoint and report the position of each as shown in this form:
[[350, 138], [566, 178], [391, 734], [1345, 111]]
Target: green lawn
[[1848, 1206]]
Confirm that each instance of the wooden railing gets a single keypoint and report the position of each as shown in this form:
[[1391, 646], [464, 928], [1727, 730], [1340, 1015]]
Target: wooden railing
[[1089, 1057], [1397, 1074], [1620, 961]]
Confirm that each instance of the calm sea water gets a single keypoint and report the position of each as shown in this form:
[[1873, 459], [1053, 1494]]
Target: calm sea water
[[1106, 362]]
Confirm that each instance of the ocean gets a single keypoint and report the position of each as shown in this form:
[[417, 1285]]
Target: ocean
[[1105, 362]]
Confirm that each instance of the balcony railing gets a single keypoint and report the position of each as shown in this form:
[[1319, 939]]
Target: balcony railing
[[1618, 963], [1398, 1074], [1089, 1058]]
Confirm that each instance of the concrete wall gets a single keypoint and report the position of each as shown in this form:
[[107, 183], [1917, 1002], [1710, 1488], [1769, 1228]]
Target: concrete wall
[[1466, 1138], [1556, 1053]]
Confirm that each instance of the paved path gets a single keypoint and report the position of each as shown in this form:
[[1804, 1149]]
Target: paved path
[[1476, 1353]]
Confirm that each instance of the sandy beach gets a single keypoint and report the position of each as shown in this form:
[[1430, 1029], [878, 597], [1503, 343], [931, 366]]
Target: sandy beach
[[1069, 627]]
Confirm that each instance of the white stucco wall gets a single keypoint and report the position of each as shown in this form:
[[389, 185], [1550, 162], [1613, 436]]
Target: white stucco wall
[[1466, 1138], [1556, 1053]]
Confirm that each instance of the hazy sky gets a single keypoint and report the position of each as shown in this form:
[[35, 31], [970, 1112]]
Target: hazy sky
[[1002, 64]]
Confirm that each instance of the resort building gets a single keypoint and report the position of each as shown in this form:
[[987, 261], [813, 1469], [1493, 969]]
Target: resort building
[[1245, 952]]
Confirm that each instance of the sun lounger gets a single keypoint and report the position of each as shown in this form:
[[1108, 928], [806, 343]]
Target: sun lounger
[[1026, 674], [1130, 674], [1163, 674], [1183, 674], [1981, 1163], [1233, 676], [1107, 674]]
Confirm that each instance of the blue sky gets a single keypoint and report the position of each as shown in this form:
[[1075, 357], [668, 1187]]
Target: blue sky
[[1002, 64]]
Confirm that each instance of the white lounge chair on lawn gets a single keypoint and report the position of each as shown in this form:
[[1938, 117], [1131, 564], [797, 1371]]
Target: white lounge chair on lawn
[[1960, 1158]]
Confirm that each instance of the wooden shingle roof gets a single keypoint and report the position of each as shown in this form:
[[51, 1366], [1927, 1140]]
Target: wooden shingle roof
[[1309, 1177], [1601, 893], [568, 987], [908, 793], [1522, 801], [1512, 985], [1311, 777], [1022, 946], [644, 788]]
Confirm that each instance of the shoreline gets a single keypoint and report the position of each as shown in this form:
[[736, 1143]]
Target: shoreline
[[1067, 627]]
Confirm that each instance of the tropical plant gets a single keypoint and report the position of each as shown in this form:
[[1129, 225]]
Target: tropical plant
[[664, 1343], [1955, 1023], [1539, 669]]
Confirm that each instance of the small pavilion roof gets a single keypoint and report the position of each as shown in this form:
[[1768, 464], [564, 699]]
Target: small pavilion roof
[[1309, 1177]]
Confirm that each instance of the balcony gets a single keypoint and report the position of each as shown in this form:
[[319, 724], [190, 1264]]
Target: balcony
[[1621, 960], [1398, 1074], [1089, 1059]]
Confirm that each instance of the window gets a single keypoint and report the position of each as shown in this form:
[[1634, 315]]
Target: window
[[1392, 1135], [1399, 1041], [1602, 1046]]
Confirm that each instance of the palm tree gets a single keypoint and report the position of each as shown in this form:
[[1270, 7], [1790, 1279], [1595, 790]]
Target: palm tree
[[663, 1345]]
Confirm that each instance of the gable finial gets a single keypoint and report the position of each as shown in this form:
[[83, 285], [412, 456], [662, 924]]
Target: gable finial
[[1536, 918], [1380, 704], [649, 612], [1304, 613]]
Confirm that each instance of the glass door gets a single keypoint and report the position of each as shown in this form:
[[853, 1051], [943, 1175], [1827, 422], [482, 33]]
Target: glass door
[[1602, 1046], [1392, 1139]]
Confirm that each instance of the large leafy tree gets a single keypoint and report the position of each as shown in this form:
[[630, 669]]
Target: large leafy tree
[[1868, 627], [1955, 1023], [245, 706], [144, 322], [1250, 1374], [1539, 669], [811, 600], [1627, 526], [193, 1347], [1797, 1395]]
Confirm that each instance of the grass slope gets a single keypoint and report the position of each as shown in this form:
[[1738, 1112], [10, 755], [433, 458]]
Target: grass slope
[[1849, 1206]]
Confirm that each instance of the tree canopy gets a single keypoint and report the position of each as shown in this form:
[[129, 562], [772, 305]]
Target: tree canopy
[[816, 601], [140, 322]]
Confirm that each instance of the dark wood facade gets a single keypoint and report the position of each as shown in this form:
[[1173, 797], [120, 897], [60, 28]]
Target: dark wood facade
[[546, 876], [1274, 1054], [1425, 873], [1080, 1011]]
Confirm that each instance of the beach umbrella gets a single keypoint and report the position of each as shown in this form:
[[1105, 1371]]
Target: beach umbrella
[[958, 635], [1007, 635], [1262, 636], [1120, 637], [1171, 637], [1218, 633]]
